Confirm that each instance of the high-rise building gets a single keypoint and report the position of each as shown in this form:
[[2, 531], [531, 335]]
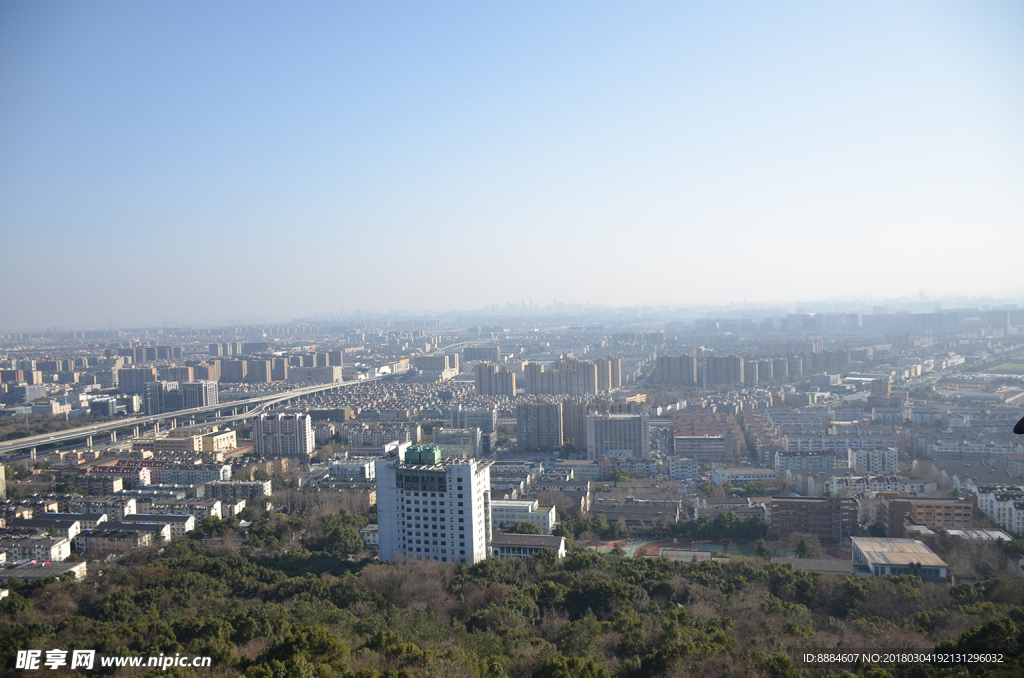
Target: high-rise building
[[162, 396], [232, 371], [681, 370], [210, 372], [725, 369], [279, 369], [486, 378], [532, 374], [616, 364], [429, 509], [622, 436], [492, 382], [539, 426], [780, 368], [574, 422], [199, 394], [488, 353], [134, 379], [484, 419], [257, 371], [174, 373], [283, 434], [604, 374]]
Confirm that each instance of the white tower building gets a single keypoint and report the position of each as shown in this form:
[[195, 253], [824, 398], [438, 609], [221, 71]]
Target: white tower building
[[433, 509]]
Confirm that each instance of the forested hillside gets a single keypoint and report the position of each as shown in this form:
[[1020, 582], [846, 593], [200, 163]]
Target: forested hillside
[[311, 611]]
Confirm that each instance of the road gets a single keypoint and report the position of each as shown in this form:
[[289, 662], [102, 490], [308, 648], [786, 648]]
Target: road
[[238, 410]]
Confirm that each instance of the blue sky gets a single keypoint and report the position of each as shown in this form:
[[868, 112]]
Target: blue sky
[[202, 162]]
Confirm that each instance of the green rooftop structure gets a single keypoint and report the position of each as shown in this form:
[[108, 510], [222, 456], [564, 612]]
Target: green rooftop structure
[[426, 455]]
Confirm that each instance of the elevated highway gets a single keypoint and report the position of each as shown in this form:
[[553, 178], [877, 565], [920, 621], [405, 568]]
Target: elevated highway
[[223, 413]]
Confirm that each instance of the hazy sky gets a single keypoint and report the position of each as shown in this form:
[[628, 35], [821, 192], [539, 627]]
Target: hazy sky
[[196, 162]]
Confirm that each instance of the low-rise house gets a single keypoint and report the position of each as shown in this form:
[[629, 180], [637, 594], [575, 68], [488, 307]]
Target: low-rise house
[[506, 546]]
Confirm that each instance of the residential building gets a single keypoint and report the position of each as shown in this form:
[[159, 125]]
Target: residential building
[[179, 525], [286, 434], [35, 547], [803, 461], [741, 475], [233, 490], [371, 536], [683, 468], [133, 380], [29, 572], [874, 461], [200, 508], [328, 374], [678, 370], [485, 419], [490, 381], [116, 508], [727, 369], [539, 426]]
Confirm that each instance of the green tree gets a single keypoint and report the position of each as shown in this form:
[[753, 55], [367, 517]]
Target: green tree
[[762, 550], [804, 549], [571, 667], [621, 475]]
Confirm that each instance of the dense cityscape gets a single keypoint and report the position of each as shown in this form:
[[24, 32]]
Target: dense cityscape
[[512, 340], [831, 444]]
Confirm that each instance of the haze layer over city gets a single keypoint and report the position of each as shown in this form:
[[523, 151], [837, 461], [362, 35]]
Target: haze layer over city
[[532, 340]]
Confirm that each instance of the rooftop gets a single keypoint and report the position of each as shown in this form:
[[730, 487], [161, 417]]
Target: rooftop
[[896, 552], [526, 540]]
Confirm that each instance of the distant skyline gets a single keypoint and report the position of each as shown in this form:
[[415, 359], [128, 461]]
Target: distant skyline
[[580, 311], [194, 163]]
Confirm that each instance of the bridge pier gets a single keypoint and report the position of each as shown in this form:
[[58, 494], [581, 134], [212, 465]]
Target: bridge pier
[[113, 436], [136, 432], [234, 411], [156, 427], [88, 441], [174, 423], [32, 454]]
